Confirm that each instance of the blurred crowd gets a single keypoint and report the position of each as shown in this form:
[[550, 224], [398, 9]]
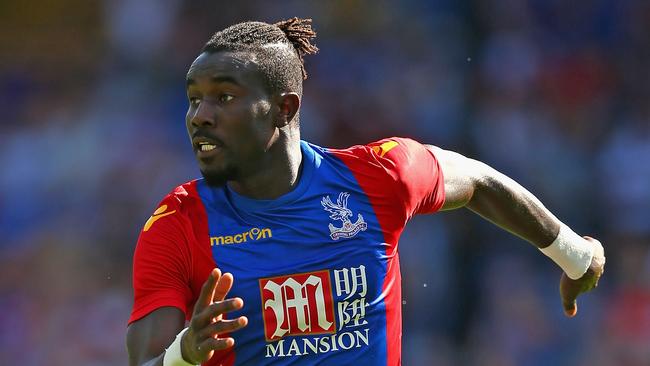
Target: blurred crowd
[[555, 94]]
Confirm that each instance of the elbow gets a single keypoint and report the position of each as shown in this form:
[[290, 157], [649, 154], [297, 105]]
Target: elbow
[[485, 183]]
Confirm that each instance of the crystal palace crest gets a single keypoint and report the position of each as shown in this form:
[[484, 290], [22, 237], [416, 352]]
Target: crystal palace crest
[[340, 211]]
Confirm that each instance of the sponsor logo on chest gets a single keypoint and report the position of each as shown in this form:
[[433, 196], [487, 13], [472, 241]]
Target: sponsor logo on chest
[[303, 305]]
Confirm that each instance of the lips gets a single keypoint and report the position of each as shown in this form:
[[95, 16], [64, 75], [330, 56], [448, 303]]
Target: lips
[[206, 146]]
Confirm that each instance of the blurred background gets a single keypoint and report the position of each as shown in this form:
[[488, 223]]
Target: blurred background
[[554, 93]]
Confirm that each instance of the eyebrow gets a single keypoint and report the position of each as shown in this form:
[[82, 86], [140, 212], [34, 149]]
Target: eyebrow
[[215, 79]]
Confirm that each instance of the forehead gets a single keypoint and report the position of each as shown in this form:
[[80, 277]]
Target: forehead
[[240, 67]]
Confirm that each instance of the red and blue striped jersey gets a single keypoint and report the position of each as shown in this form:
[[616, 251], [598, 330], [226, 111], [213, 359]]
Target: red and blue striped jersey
[[317, 268]]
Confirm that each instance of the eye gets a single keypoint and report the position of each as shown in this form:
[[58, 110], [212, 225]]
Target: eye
[[224, 98], [194, 102]]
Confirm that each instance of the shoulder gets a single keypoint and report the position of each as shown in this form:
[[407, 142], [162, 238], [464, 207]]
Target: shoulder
[[183, 197], [386, 148], [389, 154], [409, 166], [178, 206]]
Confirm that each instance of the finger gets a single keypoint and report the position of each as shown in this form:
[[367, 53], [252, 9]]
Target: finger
[[216, 344], [207, 291], [215, 310], [224, 326], [223, 287]]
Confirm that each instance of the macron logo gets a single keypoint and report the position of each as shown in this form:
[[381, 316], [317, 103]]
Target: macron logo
[[253, 234], [157, 215]]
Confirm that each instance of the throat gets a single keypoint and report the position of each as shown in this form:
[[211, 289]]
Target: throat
[[271, 182]]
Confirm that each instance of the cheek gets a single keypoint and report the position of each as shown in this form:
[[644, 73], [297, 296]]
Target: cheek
[[253, 122], [188, 118], [264, 124], [261, 109]]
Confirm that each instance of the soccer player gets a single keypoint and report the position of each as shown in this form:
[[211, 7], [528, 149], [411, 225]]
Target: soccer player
[[287, 252]]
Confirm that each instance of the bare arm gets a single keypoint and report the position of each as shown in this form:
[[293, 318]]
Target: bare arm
[[148, 337], [499, 199]]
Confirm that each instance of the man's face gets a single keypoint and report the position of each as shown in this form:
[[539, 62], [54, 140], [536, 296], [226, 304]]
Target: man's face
[[229, 119]]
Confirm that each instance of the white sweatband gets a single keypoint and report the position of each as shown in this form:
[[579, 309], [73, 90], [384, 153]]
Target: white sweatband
[[173, 354], [571, 252]]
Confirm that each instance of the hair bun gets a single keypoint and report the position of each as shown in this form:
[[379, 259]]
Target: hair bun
[[300, 33]]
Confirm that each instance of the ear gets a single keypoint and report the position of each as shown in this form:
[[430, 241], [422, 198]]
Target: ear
[[288, 106]]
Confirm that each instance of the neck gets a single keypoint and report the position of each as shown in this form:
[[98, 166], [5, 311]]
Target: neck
[[278, 174]]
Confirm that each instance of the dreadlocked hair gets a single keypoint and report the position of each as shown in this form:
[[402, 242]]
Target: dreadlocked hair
[[300, 33], [279, 49]]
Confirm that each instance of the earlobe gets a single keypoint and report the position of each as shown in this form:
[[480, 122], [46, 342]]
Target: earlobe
[[289, 104]]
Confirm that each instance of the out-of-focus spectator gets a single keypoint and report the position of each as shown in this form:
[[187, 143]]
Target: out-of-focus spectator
[[553, 93]]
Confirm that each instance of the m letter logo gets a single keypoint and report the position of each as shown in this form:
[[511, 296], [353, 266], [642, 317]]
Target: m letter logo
[[297, 304]]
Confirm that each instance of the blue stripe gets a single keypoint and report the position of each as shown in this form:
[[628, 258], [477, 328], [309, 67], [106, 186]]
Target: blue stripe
[[291, 235]]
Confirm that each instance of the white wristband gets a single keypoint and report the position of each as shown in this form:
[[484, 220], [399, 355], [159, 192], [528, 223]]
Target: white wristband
[[173, 354], [571, 252]]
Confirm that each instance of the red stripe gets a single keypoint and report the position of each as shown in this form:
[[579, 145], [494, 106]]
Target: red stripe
[[379, 187]]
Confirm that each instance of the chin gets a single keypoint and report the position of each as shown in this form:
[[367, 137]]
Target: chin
[[218, 178]]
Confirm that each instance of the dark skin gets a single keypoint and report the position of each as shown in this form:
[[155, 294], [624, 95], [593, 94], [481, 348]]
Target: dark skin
[[472, 184], [253, 143], [256, 141], [258, 152]]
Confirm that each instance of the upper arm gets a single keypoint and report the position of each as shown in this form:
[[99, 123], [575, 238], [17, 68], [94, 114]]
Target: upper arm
[[147, 338], [161, 284], [162, 267], [461, 176], [415, 172]]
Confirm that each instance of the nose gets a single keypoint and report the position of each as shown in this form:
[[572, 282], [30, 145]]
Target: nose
[[203, 115]]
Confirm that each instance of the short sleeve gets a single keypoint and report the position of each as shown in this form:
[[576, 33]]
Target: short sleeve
[[161, 262], [416, 172]]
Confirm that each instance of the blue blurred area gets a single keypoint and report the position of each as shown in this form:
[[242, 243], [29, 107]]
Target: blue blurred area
[[555, 94]]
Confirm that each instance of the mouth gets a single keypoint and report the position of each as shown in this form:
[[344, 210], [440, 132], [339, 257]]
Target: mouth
[[205, 147]]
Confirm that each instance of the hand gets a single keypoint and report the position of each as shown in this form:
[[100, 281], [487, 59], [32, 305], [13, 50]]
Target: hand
[[570, 289], [207, 324]]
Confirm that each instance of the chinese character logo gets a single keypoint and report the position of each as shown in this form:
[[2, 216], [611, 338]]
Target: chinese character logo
[[351, 283], [340, 211], [297, 304]]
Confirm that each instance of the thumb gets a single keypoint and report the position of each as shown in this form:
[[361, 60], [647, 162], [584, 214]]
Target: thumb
[[570, 307]]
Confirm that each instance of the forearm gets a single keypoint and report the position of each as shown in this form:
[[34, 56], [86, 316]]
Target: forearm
[[510, 206], [147, 338], [507, 204], [473, 184]]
